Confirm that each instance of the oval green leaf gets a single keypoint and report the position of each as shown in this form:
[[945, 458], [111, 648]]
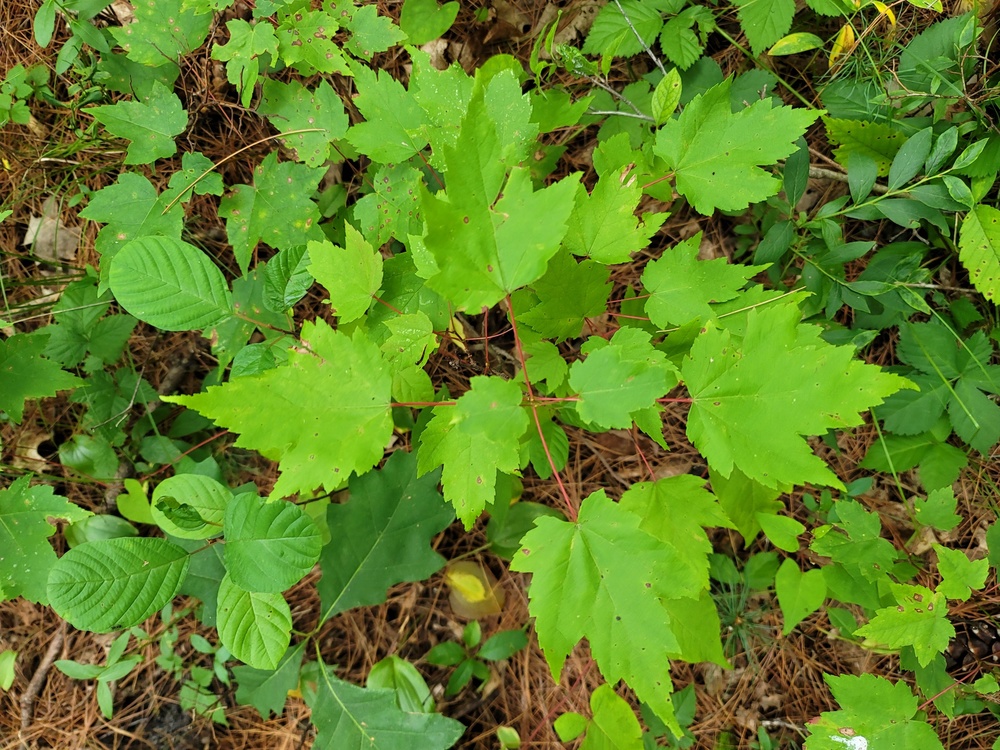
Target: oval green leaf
[[255, 627], [793, 44], [170, 284], [176, 500], [116, 583], [269, 546]]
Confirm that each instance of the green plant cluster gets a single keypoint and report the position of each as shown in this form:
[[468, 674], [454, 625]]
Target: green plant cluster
[[459, 215]]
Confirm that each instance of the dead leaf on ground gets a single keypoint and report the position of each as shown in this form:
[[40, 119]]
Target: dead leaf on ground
[[50, 239]]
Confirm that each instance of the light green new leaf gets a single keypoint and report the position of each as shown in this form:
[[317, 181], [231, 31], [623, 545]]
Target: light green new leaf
[[745, 417], [474, 439], [619, 377], [604, 226], [323, 415], [960, 576], [267, 690], [918, 619], [162, 32], [382, 535], [603, 578], [979, 250], [286, 279], [682, 288], [170, 284], [799, 594], [715, 163], [666, 96], [114, 584], [424, 20], [150, 126], [291, 106], [25, 373], [205, 499], [269, 546], [348, 716], [26, 556], [394, 122], [351, 274], [878, 141], [242, 53], [675, 510], [411, 338], [277, 210], [613, 726], [255, 627], [764, 21], [938, 509], [875, 712]]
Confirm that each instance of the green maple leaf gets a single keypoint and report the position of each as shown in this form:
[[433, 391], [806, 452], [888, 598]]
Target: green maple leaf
[[351, 274], [80, 328], [604, 226], [371, 33], [197, 170], [765, 21], [743, 416], [163, 31], [322, 416], [474, 439], [960, 575], [131, 208], [150, 125], [620, 377], [348, 716], [675, 510], [25, 373], [485, 247], [878, 141], [918, 619], [277, 210], [267, 690], [682, 288], [382, 535], [26, 556], [392, 209], [874, 713], [242, 53], [392, 130], [568, 294], [603, 578], [715, 164], [305, 42], [291, 106]]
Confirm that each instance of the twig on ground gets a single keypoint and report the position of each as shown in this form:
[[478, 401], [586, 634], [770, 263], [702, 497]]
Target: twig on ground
[[38, 680]]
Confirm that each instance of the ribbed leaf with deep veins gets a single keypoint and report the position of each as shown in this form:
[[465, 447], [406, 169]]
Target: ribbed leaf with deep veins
[[255, 627], [323, 415]]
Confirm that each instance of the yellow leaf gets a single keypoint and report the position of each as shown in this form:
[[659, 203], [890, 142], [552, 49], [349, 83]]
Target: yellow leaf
[[843, 44], [886, 11], [474, 591]]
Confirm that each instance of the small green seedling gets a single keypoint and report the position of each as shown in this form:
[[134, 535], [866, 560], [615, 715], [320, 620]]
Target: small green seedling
[[469, 657]]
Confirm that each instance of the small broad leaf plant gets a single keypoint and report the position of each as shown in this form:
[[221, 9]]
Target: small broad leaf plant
[[456, 220]]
